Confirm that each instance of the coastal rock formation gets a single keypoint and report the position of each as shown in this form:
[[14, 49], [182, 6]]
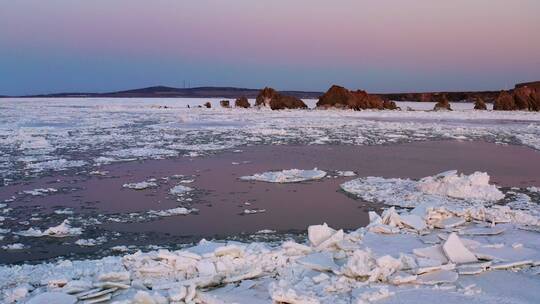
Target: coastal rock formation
[[522, 98], [479, 104], [286, 102], [442, 104], [340, 97], [242, 102], [526, 98], [265, 96], [224, 104], [269, 97], [504, 102], [208, 104], [390, 105]]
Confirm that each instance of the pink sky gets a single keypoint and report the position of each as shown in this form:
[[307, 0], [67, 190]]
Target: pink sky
[[415, 38]]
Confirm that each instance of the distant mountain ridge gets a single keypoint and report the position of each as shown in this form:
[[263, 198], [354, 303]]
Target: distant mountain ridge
[[170, 92], [233, 93]]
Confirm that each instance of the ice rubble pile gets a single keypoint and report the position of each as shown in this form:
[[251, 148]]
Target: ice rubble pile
[[474, 186], [427, 248], [434, 246], [286, 176], [444, 188]]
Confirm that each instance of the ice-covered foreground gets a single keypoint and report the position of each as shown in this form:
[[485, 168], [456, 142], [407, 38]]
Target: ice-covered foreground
[[438, 251], [38, 135], [286, 176]]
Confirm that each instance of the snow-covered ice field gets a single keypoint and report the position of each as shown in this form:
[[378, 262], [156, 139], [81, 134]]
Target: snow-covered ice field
[[450, 238], [40, 135]]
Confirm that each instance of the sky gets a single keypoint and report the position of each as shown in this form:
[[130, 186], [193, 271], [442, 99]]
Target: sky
[[376, 45]]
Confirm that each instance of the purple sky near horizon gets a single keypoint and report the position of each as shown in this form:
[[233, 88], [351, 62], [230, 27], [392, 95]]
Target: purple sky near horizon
[[377, 45]]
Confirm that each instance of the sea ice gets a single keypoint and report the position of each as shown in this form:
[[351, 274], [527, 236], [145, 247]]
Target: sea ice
[[456, 251], [40, 191], [140, 185], [474, 186], [62, 230], [179, 190], [253, 211], [447, 188], [173, 211], [286, 176], [55, 165]]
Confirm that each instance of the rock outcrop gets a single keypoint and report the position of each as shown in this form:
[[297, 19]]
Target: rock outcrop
[[225, 104], [504, 102], [521, 98], [390, 105], [269, 97], [242, 102], [208, 104], [479, 104], [265, 96], [442, 104], [526, 98], [342, 98]]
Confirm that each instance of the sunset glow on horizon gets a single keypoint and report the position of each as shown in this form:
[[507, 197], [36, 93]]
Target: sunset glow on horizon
[[380, 46]]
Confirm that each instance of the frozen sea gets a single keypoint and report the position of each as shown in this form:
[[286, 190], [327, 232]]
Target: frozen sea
[[91, 178]]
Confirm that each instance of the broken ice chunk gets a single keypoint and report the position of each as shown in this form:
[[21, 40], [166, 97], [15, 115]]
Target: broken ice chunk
[[53, 297], [319, 233], [320, 261], [456, 251], [433, 253], [450, 222], [483, 231], [437, 277], [413, 221]]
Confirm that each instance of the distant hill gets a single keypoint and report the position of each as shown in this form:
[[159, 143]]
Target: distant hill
[[534, 84], [232, 93], [199, 92], [488, 96]]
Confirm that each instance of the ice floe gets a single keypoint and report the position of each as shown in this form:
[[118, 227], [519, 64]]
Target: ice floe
[[444, 188], [180, 190], [253, 211], [286, 176], [173, 211], [91, 242], [62, 230], [141, 185], [15, 246], [40, 191], [346, 173]]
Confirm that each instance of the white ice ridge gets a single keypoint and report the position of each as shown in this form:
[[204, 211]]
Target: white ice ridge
[[180, 190], [449, 183], [286, 176], [62, 230], [446, 253], [445, 188]]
